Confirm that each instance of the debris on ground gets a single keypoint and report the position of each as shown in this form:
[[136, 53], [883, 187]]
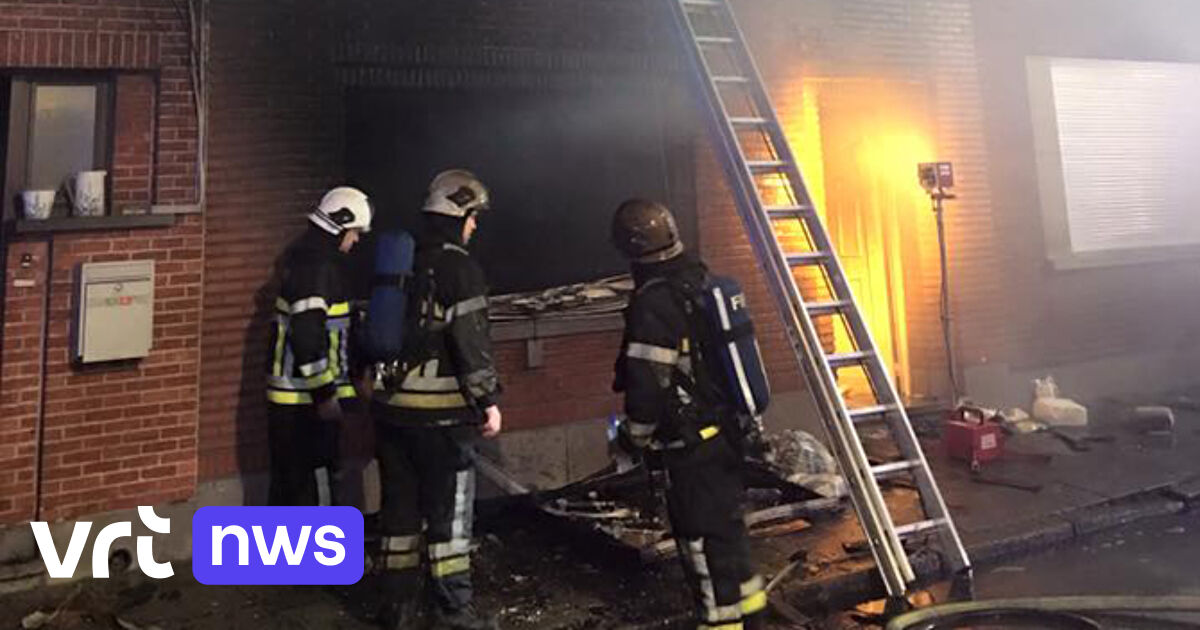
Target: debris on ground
[[41, 619], [607, 296], [626, 510], [1153, 419], [989, 479], [803, 460], [1017, 421], [1050, 409], [1079, 443], [36, 619]]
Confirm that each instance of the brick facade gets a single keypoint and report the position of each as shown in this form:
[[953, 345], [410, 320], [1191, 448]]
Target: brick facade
[[533, 43], [129, 434], [275, 136], [266, 54], [117, 435]]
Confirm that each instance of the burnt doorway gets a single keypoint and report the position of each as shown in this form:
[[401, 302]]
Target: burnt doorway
[[558, 161]]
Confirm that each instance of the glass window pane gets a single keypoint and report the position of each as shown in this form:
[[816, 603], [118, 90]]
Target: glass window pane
[[64, 133]]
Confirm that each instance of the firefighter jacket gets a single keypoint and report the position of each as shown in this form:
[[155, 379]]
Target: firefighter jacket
[[310, 334], [668, 399], [448, 376]]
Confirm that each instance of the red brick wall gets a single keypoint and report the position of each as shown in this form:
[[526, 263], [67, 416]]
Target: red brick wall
[[276, 146], [929, 47], [276, 130], [133, 143], [117, 435], [726, 249], [116, 34], [574, 382]]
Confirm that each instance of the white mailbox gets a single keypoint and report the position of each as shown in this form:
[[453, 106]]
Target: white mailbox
[[115, 311]]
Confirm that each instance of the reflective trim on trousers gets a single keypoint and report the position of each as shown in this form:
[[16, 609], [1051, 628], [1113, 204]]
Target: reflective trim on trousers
[[694, 560], [302, 384], [309, 370], [450, 566], [464, 486], [400, 543], [696, 563], [441, 551], [754, 604], [403, 561], [754, 598]]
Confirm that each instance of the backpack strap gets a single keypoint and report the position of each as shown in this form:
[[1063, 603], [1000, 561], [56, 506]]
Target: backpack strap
[[703, 385]]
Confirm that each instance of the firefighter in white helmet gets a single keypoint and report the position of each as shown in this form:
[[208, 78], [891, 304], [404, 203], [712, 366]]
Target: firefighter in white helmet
[[308, 374], [429, 416]]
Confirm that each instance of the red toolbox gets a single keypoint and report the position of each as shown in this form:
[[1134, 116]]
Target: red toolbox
[[969, 436]]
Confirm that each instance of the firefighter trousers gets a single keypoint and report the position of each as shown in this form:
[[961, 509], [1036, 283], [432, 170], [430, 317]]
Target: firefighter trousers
[[428, 479], [704, 501], [301, 444]]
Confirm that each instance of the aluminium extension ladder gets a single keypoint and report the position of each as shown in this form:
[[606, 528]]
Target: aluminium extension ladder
[[774, 202]]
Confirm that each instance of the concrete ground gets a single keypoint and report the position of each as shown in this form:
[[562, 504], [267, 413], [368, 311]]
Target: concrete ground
[[1133, 476], [537, 576]]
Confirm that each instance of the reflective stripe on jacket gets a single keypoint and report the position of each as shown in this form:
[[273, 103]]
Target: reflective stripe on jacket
[[311, 328], [451, 377]]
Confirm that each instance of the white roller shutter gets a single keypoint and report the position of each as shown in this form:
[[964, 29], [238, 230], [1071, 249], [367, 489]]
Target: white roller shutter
[[1129, 150]]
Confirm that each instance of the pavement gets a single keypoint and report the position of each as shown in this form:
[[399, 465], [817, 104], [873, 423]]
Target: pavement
[[1134, 476], [534, 576]]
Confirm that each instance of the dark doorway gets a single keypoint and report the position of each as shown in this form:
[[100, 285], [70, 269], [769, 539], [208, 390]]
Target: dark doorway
[[558, 161]]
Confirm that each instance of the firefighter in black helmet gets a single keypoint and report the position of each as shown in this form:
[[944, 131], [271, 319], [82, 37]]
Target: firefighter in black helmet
[[308, 378], [431, 408], [672, 418]]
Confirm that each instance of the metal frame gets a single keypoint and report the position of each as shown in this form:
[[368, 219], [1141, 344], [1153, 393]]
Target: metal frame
[[883, 536]]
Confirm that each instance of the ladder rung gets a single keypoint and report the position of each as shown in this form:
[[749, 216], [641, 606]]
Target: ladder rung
[[748, 121], [847, 359], [827, 308], [894, 468], [766, 165], [807, 258], [789, 212], [913, 529], [864, 413], [709, 30]]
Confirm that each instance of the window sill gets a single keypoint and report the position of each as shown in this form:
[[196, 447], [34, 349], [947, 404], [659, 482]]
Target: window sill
[[92, 224], [1128, 257]]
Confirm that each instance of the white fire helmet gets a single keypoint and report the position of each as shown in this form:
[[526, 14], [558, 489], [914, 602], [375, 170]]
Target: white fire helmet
[[343, 208], [456, 193]]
